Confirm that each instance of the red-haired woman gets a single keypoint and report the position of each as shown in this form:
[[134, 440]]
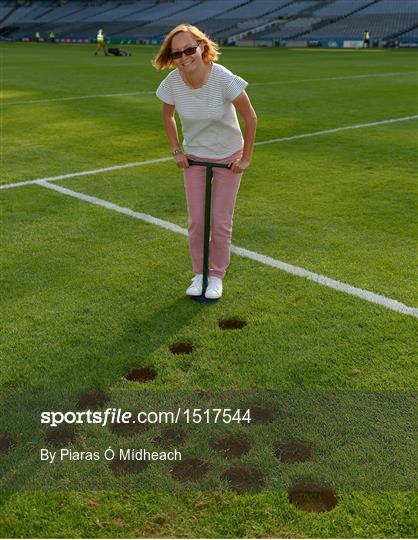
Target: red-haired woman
[[206, 97]]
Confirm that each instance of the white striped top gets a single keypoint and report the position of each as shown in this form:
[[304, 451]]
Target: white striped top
[[208, 118]]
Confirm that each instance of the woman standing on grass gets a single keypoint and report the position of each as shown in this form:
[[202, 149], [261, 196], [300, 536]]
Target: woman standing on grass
[[206, 96]]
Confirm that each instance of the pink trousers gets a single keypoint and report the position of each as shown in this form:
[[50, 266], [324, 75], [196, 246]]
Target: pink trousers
[[225, 185]]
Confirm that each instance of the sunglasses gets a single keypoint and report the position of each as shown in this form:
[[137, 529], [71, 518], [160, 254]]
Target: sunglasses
[[188, 52]]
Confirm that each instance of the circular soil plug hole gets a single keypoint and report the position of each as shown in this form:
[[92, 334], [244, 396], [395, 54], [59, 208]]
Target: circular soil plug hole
[[142, 374], [232, 324], [231, 445], [7, 442], [61, 436], [182, 347], [293, 452], [261, 414], [92, 399], [312, 496], [170, 436], [189, 470], [243, 478], [128, 430], [123, 467]]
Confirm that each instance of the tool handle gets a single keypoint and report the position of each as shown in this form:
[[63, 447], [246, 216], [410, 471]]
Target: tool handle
[[209, 164]]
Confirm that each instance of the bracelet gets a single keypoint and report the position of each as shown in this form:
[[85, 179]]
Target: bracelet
[[177, 151]]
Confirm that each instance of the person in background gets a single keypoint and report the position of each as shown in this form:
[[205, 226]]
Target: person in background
[[207, 97], [366, 39], [101, 43], [51, 37], [37, 36]]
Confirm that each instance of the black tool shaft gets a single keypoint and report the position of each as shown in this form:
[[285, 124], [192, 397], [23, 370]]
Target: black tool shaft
[[208, 204]]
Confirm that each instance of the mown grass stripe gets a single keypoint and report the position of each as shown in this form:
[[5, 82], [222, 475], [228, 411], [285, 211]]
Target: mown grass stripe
[[160, 160], [374, 298]]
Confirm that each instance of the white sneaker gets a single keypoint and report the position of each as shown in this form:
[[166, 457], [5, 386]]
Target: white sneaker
[[214, 288], [195, 289]]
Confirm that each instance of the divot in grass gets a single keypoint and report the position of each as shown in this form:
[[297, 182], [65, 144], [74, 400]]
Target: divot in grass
[[92, 399], [170, 436], [231, 446], [261, 414], [61, 436], [243, 478], [182, 347], [124, 467], [7, 442], [312, 496], [293, 452], [189, 470], [232, 324], [128, 430], [142, 374]]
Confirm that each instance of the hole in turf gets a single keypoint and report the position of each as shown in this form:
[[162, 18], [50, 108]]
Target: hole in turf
[[262, 414], [293, 452], [242, 478], [170, 436], [61, 436], [231, 445], [189, 470], [182, 347], [128, 430], [232, 324], [7, 442], [312, 496], [92, 399], [122, 467], [142, 374]]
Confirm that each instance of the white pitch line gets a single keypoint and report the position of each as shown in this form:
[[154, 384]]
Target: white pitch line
[[71, 98], [160, 160], [145, 92], [388, 303], [110, 206], [84, 173], [337, 130], [343, 78], [374, 298]]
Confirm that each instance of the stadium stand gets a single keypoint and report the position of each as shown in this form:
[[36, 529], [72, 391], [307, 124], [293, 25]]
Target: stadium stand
[[340, 8], [266, 21], [383, 18], [410, 34], [392, 6], [296, 25], [245, 16]]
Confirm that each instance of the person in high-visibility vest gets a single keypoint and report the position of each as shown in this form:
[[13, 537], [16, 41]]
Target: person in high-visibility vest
[[37, 36], [51, 37], [366, 39], [101, 42]]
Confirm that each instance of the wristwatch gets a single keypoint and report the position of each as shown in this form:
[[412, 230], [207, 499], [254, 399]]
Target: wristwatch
[[177, 151]]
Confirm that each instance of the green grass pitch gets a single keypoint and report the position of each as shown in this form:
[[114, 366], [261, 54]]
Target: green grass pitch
[[89, 293]]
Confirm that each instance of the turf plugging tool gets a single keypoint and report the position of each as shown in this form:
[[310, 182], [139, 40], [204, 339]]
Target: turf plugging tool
[[206, 234]]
